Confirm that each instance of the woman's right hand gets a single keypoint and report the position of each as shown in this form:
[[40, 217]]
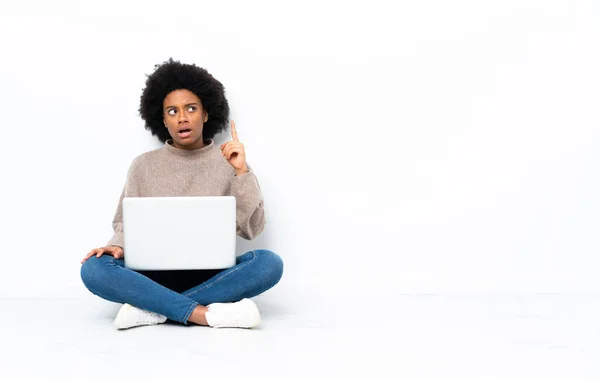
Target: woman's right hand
[[115, 251]]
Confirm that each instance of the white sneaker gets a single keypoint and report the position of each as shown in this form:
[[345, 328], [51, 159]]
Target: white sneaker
[[242, 314], [130, 316]]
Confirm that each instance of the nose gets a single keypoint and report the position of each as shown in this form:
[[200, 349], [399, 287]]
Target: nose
[[182, 117]]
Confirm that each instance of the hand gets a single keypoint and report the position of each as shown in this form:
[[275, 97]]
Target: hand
[[234, 152], [115, 251]]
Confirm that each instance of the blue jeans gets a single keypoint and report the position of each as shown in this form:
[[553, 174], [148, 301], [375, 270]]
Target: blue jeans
[[255, 272]]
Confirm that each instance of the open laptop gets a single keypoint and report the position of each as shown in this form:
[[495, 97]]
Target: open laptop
[[179, 233]]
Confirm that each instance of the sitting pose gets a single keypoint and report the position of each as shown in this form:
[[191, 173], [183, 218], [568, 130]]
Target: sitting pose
[[184, 107]]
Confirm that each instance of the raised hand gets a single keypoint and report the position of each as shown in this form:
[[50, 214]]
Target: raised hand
[[235, 153]]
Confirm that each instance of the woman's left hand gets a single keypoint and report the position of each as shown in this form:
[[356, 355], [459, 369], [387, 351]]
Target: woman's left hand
[[234, 152]]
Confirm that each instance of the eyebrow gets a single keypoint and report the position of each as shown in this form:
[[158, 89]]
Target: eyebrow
[[173, 106]]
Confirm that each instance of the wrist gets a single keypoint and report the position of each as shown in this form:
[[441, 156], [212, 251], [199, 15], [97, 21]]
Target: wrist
[[241, 171]]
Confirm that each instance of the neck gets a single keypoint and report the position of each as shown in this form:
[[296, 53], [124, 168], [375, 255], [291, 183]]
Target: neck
[[199, 144], [186, 151]]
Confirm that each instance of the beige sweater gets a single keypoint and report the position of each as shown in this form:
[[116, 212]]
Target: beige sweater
[[169, 171]]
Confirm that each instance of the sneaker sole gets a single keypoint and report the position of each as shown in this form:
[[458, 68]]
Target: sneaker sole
[[122, 316], [255, 320]]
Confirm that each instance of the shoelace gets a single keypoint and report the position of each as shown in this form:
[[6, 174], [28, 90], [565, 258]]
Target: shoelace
[[147, 316]]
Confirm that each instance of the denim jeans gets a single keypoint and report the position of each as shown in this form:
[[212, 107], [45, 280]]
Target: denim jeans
[[255, 272]]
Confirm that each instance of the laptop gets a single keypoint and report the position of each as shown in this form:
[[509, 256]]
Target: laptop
[[179, 233]]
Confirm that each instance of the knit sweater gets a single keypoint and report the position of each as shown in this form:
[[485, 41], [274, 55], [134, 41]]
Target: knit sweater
[[170, 171]]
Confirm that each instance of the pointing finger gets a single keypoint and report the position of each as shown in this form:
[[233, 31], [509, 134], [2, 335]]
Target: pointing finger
[[233, 131]]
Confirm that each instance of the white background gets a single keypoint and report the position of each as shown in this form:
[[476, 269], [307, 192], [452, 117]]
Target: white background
[[405, 147]]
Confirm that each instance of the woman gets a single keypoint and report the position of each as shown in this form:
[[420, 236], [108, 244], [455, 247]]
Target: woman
[[184, 107]]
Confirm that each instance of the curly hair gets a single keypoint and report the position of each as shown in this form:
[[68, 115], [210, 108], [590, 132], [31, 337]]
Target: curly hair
[[173, 75]]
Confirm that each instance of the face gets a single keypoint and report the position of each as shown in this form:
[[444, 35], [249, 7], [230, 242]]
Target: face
[[184, 116]]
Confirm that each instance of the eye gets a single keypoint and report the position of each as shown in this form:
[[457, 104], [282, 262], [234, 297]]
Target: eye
[[171, 112], [192, 108]]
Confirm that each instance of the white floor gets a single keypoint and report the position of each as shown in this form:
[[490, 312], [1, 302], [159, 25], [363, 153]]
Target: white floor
[[396, 336]]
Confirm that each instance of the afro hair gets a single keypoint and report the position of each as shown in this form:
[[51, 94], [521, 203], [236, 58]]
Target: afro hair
[[173, 75]]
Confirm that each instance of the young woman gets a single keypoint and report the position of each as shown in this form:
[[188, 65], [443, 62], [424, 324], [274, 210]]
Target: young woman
[[184, 107]]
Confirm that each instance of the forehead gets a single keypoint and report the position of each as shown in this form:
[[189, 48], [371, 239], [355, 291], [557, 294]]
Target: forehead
[[180, 97]]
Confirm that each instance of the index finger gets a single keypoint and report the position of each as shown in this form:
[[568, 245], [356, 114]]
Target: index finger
[[233, 131], [89, 255]]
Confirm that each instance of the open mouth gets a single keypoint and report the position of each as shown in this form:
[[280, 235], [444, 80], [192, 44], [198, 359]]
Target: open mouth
[[185, 132]]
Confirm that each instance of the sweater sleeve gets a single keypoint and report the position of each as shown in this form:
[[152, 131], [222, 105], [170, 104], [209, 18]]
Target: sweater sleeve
[[130, 189], [250, 215]]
